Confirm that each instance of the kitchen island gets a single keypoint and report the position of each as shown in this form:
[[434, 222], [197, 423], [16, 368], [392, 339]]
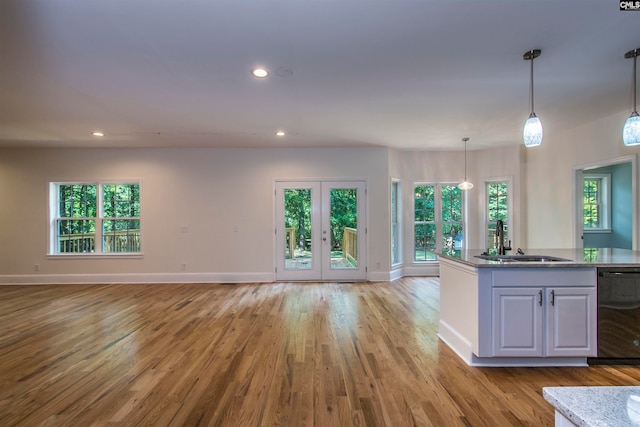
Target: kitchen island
[[524, 311]]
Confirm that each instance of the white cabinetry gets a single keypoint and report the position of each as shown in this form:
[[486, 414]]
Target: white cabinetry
[[517, 322], [524, 315], [556, 318], [544, 321]]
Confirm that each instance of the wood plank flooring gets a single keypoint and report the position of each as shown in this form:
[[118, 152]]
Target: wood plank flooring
[[288, 354]]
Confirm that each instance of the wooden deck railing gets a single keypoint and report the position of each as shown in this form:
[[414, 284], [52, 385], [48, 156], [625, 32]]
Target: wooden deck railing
[[350, 244], [114, 241], [290, 240]]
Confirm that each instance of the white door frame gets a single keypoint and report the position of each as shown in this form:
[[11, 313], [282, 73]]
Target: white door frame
[[328, 272], [320, 228], [578, 173], [315, 271]]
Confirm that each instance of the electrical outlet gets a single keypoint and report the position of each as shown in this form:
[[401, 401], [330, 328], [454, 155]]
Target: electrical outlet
[[36, 267], [378, 265], [184, 266]]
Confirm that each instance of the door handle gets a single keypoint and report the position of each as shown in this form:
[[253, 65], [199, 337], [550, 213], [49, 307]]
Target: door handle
[[553, 297], [540, 297]]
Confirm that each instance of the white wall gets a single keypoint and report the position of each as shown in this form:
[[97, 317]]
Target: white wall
[[550, 174], [505, 163], [208, 190], [448, 167], [213, 190]]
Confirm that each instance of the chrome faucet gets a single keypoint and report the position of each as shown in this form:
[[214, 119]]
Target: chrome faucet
[[502, 249]]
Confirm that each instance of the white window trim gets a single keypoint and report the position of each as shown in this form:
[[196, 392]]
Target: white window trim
[[52, 201], [399, 214], [605, 202]]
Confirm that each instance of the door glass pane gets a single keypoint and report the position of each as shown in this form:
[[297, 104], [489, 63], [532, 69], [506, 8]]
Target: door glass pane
[[343, 220], [297, 222]]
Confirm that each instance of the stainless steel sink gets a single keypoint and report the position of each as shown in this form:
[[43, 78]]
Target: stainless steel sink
[[522, 258]]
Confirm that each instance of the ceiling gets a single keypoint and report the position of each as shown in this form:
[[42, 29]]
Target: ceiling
[[407, 74]]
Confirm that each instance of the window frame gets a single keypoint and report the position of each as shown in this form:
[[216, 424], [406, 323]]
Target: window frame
[[396, 238], [438, 221], [604, 195], [54, 205]]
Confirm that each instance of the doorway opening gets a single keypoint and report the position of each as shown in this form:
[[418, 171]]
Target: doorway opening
[[320, 230], [605, 204]]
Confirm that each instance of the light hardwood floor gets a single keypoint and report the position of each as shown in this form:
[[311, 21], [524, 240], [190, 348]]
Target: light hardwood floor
[[323, 354]]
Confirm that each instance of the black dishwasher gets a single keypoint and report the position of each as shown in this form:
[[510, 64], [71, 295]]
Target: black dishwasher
[[619, 315]]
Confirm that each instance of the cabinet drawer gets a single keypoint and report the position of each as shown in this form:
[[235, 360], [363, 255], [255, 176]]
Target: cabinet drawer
[[550, 276]]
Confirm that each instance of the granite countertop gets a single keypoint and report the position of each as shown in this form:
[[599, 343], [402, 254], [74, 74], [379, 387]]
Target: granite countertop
[[596, 406], [596, 257]]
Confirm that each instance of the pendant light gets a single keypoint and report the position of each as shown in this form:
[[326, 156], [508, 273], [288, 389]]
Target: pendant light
[[465, 185], [631, 130], [532, 133]]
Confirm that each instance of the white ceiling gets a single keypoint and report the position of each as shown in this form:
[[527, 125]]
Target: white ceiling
[[409, 74]]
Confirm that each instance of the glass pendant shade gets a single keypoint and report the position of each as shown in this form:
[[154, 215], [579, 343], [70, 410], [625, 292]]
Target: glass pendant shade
[[631, 130], [532, 133], [465, 185]]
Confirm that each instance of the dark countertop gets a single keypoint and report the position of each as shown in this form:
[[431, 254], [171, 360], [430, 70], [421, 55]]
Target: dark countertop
[[596, 257]]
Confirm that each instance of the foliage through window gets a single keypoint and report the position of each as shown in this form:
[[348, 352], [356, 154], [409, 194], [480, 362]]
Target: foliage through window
[[96, 218], [497, 209], [593, 212], [438, 220], [343, 215], [297, 216]]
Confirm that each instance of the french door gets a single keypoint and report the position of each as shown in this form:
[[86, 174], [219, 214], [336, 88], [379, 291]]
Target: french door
[[320, 230]]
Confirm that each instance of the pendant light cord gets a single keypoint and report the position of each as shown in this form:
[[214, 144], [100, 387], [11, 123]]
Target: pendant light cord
[[635, 57], [531, 82], [465, 160]]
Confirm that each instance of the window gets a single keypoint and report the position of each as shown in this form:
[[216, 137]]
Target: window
[[395, 223], [497, 209], [452, 226], [438, 220], [95, 218], [595, 207]]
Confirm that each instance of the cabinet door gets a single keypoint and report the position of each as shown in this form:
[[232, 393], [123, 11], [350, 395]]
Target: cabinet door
[[571, 325], [517, 322]]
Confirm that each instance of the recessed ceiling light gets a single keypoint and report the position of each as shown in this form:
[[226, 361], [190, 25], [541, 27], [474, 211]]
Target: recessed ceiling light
[[280, 133], [97, 133], [259, 73]]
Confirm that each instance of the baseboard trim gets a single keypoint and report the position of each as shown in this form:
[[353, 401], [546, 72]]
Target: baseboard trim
[[137, 278], [396, 274], [386, 276], [459, 344], [133, 278], [463, 348], [432, 269]]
